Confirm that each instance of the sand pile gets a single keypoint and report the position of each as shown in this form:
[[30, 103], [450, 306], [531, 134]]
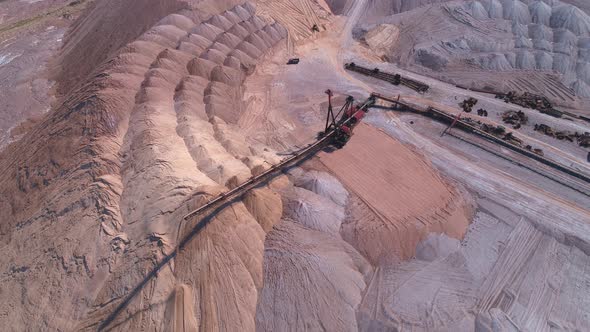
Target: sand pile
[[312, 277], [495, 61], [516, 11], [338, 7], [223, 267], [405, 202], [571, 18], [382, 38], [206, 85], [313, 211], [297, 16], [494, 8], [322, 184], [505, 36], [266, 206], [478, 10], [105, 28], [530, 285], [117, 165], [98, 189], [436, 246], [583, 5], [325, 278], [380, 8], [540, 12]]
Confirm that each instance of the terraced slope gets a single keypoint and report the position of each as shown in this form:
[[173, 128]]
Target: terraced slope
[[125, 156]]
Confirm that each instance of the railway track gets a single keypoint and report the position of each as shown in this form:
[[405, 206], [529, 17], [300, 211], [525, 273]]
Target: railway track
[[567, 176], [470, 128], [394, 79], [522, 161]]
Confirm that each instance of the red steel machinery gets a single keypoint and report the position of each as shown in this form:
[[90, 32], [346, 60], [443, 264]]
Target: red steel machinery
[[343, 122]]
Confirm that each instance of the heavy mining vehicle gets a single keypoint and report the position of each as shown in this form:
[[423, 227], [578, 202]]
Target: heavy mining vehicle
[[343, 122]]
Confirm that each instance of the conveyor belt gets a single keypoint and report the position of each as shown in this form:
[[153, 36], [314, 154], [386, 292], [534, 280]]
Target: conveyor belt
[[256, 180], [388, 77], [468, 127], [232, 194]]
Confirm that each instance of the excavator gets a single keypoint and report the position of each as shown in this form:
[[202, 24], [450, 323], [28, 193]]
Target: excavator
[[342, 123]]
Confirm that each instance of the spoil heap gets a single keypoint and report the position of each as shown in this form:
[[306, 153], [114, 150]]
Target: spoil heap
[[112, 170], [498, 38], [423, 201]]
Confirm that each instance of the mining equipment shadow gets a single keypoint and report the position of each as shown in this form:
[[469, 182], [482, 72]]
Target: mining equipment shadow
[[199, 226], [393, 78]]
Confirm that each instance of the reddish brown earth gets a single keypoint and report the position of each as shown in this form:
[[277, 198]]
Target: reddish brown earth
[[163, 105], [403, 197], [31, 35]]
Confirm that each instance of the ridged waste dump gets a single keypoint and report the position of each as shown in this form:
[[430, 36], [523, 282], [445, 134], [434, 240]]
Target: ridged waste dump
[[178, 181], [498, 36], [155, 132]]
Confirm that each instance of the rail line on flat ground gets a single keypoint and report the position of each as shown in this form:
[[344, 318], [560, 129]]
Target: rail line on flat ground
[[394, 79], [580, 184]]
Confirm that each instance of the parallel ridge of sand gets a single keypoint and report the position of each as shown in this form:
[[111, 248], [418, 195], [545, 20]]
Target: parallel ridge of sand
[[195, 93], [393, 183], [111, 172]]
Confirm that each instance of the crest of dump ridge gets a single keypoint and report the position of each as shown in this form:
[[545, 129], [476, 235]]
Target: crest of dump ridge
[[164, 105]]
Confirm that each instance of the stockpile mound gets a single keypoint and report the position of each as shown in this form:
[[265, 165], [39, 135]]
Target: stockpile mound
[[145, 139], [500, 36], [571, 18], [105, 28], [382, 38], [312, 277], [399, 200]]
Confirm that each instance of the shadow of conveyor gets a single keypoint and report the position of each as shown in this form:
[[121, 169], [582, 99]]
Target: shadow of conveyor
[[104, 325]]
